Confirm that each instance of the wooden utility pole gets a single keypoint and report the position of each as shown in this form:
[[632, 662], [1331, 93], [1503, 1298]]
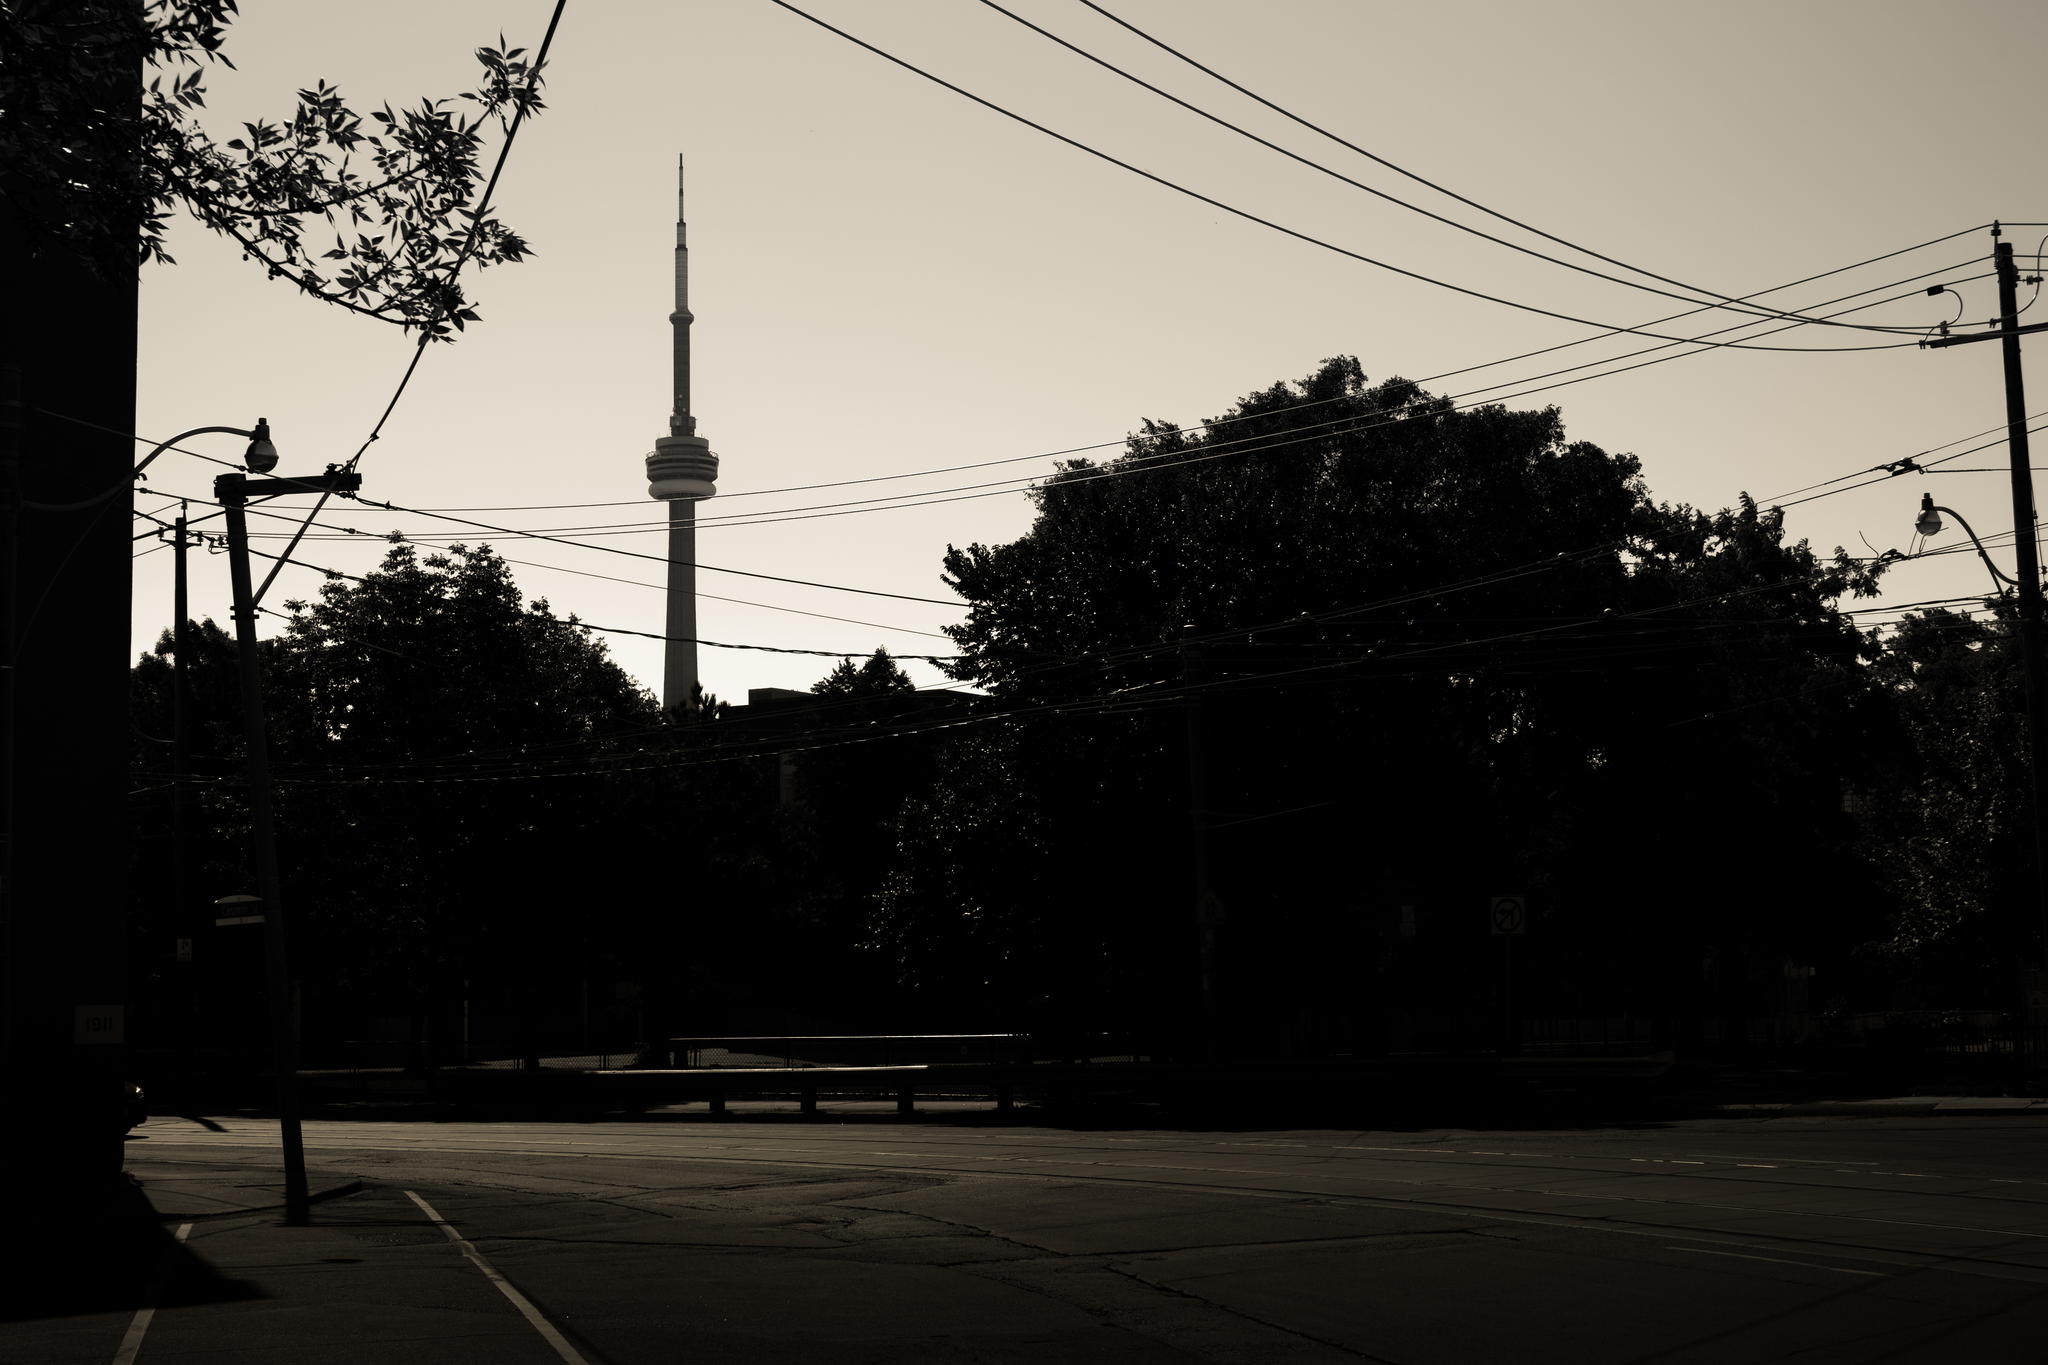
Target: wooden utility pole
[[2007, 331], [1208, 909], [233, 491]]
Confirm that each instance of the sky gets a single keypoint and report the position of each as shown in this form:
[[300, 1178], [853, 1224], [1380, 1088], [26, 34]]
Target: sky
[[888, 278]]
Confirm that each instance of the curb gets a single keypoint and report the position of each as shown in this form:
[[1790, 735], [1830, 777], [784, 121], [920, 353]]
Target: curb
[[1878, 1109]]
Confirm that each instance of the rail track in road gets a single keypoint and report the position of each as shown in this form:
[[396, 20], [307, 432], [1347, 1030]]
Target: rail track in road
[[1824, 1204]]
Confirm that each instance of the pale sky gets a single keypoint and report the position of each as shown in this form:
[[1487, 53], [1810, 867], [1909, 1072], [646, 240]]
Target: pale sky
[[888, 278]]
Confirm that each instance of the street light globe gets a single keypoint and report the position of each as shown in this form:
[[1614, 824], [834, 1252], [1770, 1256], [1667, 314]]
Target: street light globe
[[1929, 523], [261, 456]]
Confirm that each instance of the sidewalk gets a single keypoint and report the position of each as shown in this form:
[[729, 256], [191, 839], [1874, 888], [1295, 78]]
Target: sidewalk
[[1898, 1106], [196, 1263]]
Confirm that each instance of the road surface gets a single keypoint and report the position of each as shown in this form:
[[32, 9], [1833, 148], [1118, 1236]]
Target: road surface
[[869, 1239]]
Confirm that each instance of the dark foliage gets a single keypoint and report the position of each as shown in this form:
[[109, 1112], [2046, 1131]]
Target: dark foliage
[[396, 188]]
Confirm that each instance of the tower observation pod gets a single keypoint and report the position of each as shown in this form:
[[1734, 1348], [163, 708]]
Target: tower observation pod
[[680, 471]]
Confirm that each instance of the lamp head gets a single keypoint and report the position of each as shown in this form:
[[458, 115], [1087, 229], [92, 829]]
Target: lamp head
[[1929, 523], [261, 456]]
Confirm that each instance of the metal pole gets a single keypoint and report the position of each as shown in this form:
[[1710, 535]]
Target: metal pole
[[2029, 591], [10, 578], [1198, 837], [277, 976], [181, 735]]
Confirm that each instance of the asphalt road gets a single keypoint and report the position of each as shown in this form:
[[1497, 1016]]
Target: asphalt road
[[770, 1240]]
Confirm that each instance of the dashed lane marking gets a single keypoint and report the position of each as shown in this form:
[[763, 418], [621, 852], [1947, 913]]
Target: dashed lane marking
[[131, 1340], [525, 1306], [1779, 1260]]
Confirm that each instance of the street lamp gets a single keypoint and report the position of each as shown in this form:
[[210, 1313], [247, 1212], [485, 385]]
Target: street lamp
[[260, 458], [1929, 524], [233, 491], [2028, 591]]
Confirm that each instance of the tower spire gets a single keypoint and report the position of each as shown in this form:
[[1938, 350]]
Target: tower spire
[[681, 470], [680, 422]]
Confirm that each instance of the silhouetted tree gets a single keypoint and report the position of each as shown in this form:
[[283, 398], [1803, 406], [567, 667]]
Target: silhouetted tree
[[1945, 818], [1419, 655], [393, 188], [460, 784]]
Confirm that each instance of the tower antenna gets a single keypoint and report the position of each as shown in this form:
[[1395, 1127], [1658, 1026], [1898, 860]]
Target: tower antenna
[[680, 471]]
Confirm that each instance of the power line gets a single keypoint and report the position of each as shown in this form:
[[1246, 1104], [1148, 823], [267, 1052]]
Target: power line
[[1298, 235], [1309, 403], [608, 549], [714, 597], [785, 744], [1906, 466], [1420, 180], [1716, 300], [286, 558], [1213, 450], [659, 559], [469, 243]]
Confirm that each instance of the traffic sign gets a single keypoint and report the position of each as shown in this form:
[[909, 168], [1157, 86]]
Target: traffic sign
[[1509, 914], [236, 910], [98, 1023]]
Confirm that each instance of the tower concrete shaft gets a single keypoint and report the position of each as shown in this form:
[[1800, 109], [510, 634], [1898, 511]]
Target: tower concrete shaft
[[679, 656], [681, 470]]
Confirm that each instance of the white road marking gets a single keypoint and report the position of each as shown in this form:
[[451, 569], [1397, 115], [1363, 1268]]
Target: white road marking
[[131, 1341], [1801, 1160], [1777, 1260], [1762, 1166], [525, 1305]]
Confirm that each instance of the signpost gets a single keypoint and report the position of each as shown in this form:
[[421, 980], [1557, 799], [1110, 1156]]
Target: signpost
[[1508, 918], [236, 910]]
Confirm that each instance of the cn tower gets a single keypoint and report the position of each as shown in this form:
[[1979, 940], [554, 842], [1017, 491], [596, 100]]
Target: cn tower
[[681, 470]]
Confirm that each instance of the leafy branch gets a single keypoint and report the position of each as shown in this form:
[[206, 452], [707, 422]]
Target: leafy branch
[[392, 189]]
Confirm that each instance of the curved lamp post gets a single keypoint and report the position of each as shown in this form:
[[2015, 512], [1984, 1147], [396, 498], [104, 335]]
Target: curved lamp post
[[234, 491], [1929, 524], [260, 458], [2029, 594]]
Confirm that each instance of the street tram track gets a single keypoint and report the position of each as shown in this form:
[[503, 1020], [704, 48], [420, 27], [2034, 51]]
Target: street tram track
[[1903, 1258]]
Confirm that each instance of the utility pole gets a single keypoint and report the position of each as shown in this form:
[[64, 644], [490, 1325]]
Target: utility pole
[[233, 491], [10, 593], [1208, 909], [182, 918], [2007, 331], [9, 631]]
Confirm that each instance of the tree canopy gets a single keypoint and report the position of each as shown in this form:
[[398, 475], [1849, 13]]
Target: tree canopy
[[397, 188], [458, 771], [1411, 655]]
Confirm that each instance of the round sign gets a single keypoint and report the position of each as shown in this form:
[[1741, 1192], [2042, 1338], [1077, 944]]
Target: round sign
[[1510, 915]]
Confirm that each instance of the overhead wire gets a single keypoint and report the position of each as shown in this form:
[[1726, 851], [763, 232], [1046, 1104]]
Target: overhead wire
[[1321, 131], [1305, 404], [1352, 423], [782, 743], [469, 243], [1295, 233], [577, 622], [1172, 695], [1716, 300]]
